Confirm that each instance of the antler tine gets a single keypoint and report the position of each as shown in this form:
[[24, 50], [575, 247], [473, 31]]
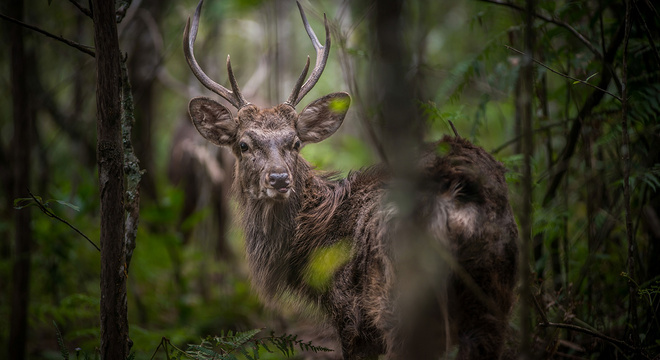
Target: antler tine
[[322, 52], [234, 86], [189, 35], [296, 89]]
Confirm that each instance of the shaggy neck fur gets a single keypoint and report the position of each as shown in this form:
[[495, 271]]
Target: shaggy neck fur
[[276, 246]]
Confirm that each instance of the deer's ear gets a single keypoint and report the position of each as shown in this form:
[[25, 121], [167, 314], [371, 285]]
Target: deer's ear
[[213, 121], [322, 117]]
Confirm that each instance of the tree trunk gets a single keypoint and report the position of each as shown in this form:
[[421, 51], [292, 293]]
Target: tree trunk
[[110, 157], [524, 108], [21, 149]]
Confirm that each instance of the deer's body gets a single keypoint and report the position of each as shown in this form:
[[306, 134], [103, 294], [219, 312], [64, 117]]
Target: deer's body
[[467, 211], [449, 281]]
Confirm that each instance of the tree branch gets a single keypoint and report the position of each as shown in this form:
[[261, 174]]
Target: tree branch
[[82, 9], [590, 103], [648, 34], [555, 21], [84, 48], [517, 138], [564, 75], [609, 339], [47, 211]]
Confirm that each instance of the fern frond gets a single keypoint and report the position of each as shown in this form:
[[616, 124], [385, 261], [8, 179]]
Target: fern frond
[[60, 342], [229, 344]]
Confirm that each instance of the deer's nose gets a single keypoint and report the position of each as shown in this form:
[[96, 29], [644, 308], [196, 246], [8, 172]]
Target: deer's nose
[[279, 181]]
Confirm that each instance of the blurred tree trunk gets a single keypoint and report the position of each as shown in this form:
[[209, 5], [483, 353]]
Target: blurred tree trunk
[[21, 147], [524, 109], [110, 157]]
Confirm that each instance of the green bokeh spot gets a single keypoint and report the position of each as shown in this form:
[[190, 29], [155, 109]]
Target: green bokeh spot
[[324, 262], [340, 105], [443, 149]]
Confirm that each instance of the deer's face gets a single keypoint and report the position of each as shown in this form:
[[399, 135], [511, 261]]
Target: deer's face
[[267, 142]]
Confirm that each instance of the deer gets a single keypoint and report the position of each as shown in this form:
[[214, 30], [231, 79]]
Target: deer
[[377, 305]]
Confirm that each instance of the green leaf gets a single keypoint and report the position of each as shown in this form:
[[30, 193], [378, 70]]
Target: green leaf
[[67, 204], [587, 80], [21, 203]]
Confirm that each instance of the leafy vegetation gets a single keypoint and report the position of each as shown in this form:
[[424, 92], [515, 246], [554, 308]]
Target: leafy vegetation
[[595, 165]]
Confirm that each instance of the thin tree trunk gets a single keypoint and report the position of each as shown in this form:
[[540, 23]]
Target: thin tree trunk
[[110, 157], [633, 324], [524, 107], [21, 148]]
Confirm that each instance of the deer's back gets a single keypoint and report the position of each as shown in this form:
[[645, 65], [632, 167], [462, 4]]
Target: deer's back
[[461, 202]]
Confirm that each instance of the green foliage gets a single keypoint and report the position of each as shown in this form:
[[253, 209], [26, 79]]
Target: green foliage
[[231, 345], [60, 342], [179, 289], [22, 203]]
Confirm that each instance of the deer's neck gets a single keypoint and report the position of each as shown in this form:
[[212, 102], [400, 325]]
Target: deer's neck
[[270, 229], [280, 236]]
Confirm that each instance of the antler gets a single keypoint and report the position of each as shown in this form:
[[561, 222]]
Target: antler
[[189, 35], [322, 52]]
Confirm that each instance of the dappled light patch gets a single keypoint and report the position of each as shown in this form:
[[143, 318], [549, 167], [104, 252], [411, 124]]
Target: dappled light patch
[[324, 262]]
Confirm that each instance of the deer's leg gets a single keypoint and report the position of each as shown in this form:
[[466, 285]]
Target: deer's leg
[[482, 325], [354, 345], [482, 338], [421, 331]]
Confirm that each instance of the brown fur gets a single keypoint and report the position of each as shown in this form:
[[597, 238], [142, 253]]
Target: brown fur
[[407, 297], [413, 285]]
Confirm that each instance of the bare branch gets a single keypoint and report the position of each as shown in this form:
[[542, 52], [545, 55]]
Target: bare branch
[[517, 138], [89, 50], [648, 34], [564, 75], [611, 340], [555, 21], [47, 211], [82, 9]]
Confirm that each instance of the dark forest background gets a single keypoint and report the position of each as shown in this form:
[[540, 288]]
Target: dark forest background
[[586, 102]]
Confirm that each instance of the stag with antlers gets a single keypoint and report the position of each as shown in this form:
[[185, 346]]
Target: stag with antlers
[[289, 211]]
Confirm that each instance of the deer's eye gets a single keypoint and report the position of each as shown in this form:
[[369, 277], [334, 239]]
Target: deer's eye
[[296, 145], [244, 147]]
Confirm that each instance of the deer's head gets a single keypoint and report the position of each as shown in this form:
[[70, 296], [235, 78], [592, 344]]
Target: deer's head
[[266, 142]]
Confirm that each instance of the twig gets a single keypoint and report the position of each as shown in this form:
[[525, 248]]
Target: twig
[[538, 307], [557, 22], [517, 138], [561, 166], [648, 33], [583, 330], [46, 211], [82, 9], [564, 75], [84, 48], [454, 129]]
